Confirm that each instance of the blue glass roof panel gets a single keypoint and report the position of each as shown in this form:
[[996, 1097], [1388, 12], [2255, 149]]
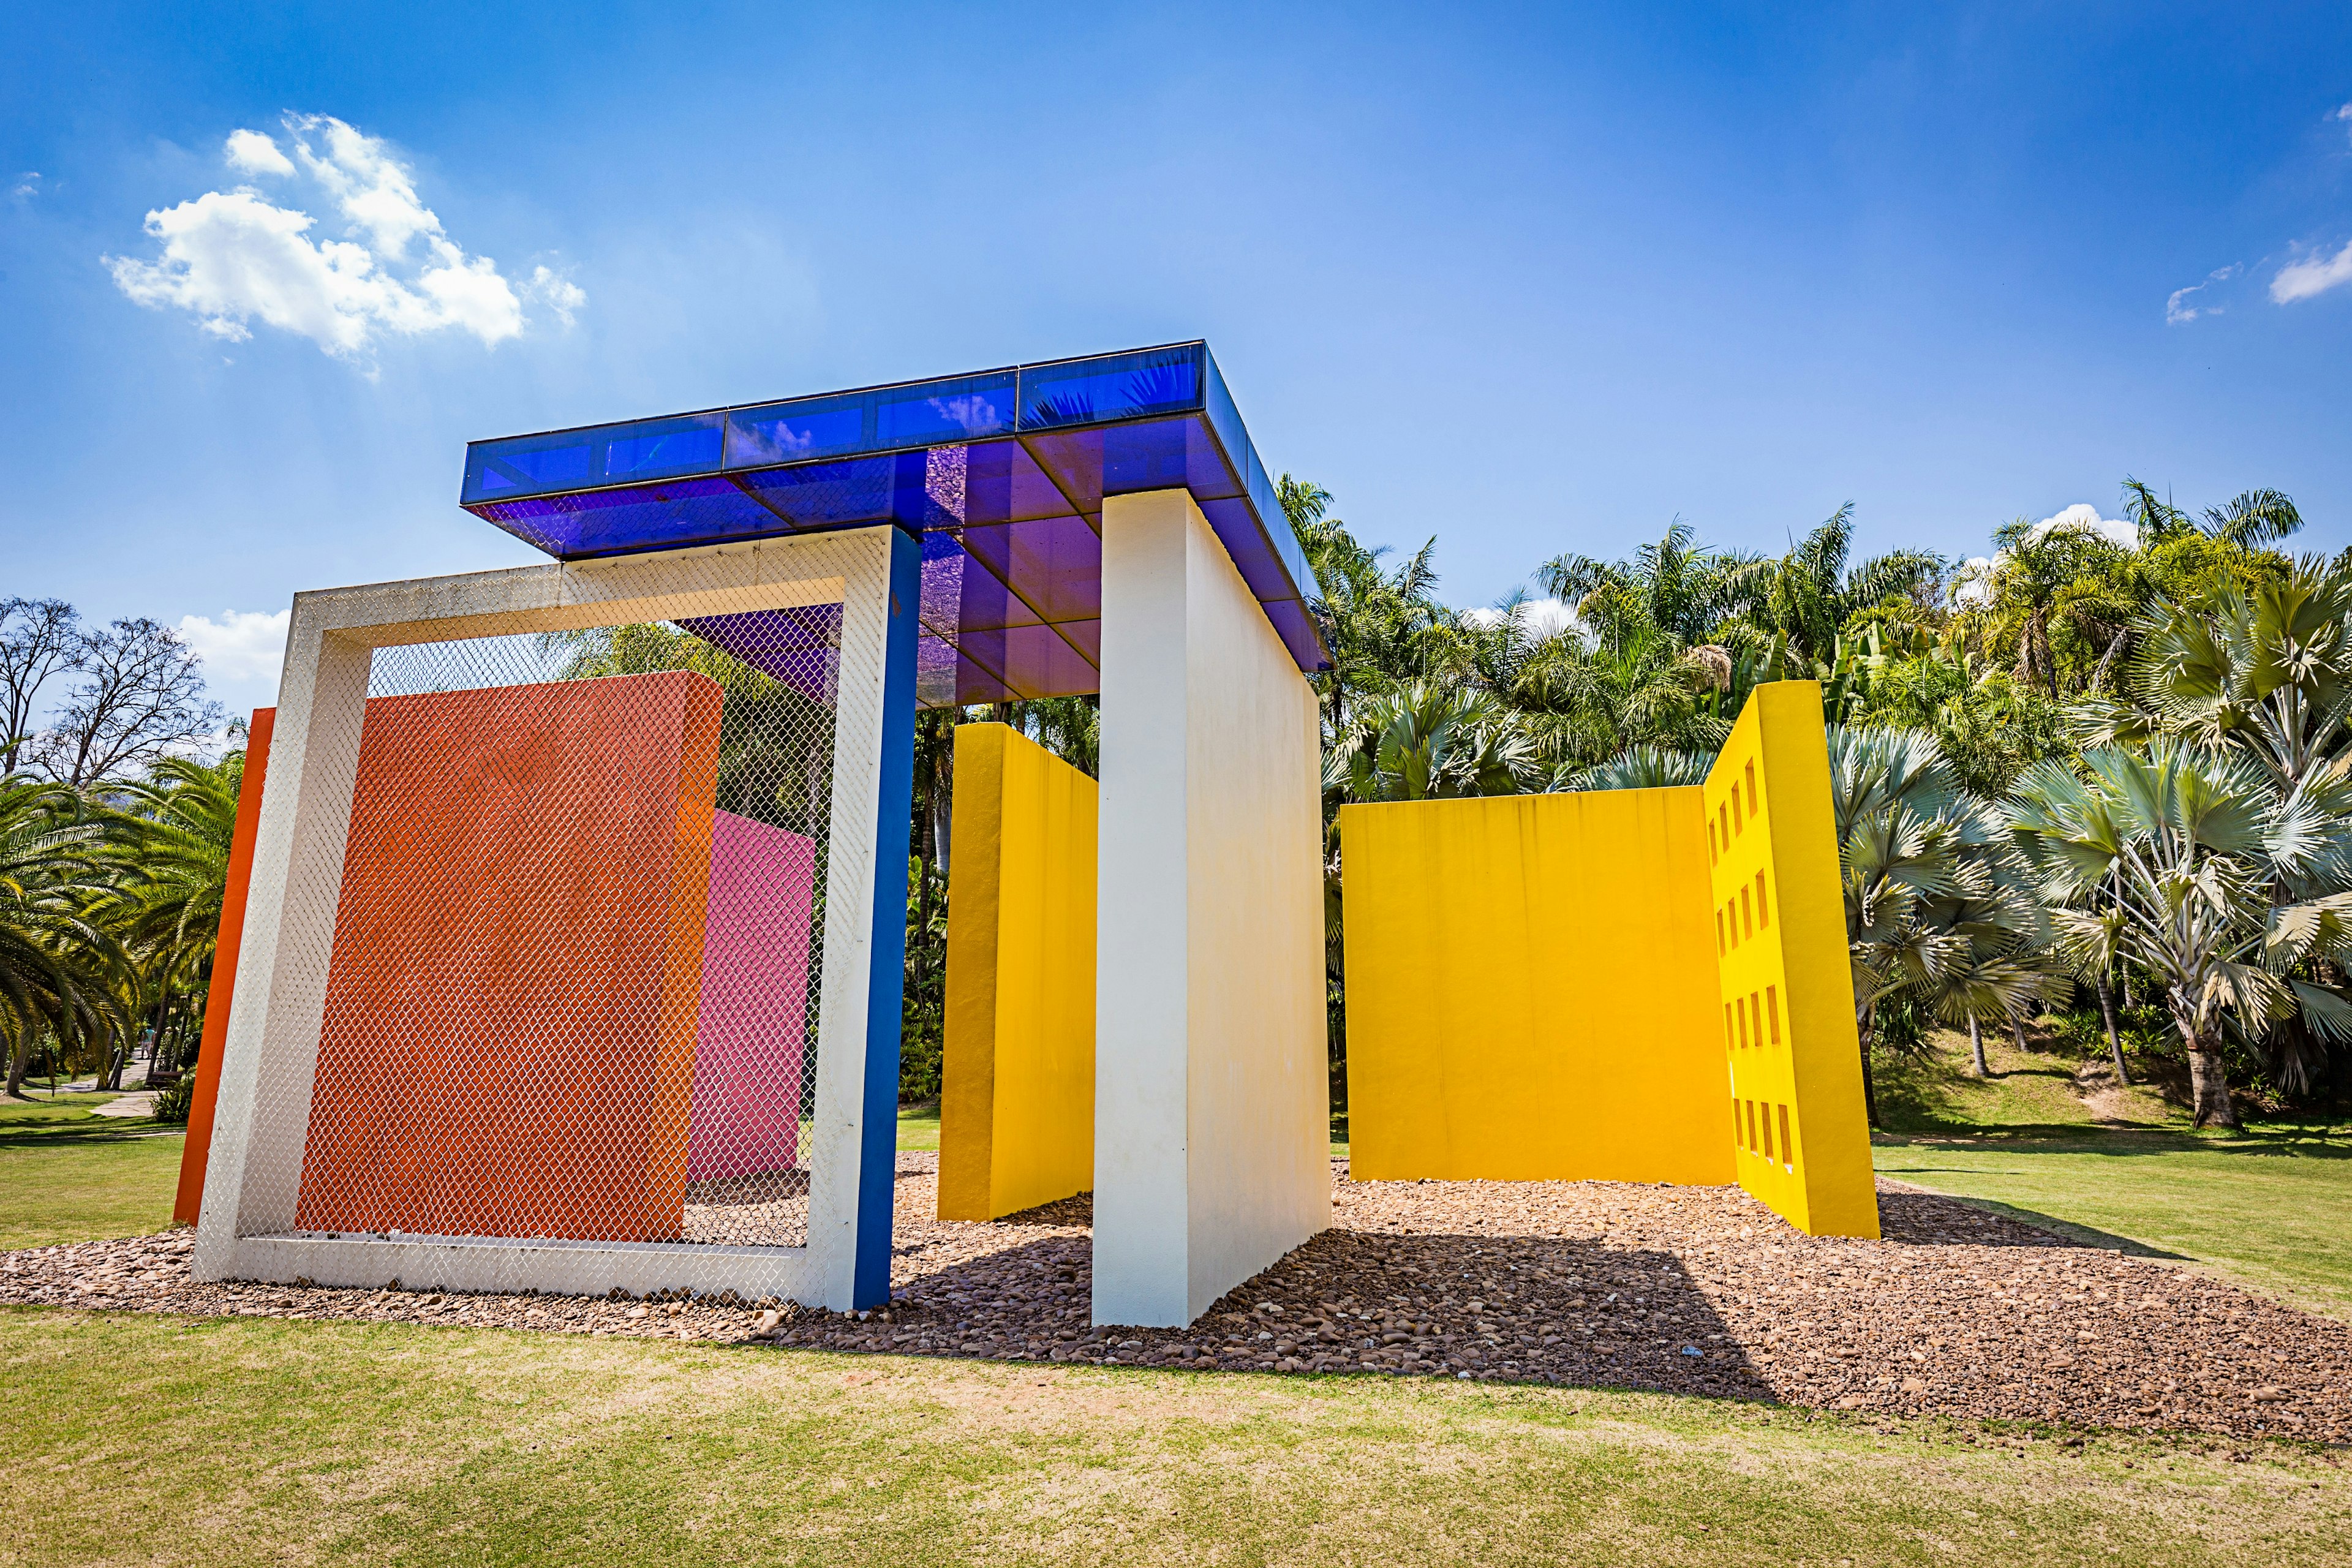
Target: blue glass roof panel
[[990, 456], [919, 414], [1111, 387], [597, 456]]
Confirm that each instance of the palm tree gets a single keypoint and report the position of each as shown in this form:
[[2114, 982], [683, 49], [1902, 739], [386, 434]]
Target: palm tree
[[1795, 605], [2251, 518], [63, 975], [1674, 584], [1430, 742], [1586, 695], [1936, 904], [2187, 843], [2266, 672], [168, 844], [2051, 590], [1640, 767]]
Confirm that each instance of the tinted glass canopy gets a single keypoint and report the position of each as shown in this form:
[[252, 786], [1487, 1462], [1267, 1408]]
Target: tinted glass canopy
[[1002, 474]]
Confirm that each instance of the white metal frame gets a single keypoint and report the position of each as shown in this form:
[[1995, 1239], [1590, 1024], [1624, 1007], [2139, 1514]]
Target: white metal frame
[[254, 1172]]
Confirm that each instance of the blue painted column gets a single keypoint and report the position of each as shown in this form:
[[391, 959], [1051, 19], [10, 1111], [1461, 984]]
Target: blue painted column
[[894, 809]]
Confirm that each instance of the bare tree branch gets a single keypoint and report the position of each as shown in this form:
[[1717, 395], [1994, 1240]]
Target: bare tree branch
[[142, 695], [39, 638]]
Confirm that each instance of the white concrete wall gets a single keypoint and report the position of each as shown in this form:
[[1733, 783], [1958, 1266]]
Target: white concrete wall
[[1211, 1130]]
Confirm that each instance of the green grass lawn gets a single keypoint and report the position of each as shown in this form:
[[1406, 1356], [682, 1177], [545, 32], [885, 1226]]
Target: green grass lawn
[[918, 1126], [2271, 1206], [133, 1439], [69, 1175]]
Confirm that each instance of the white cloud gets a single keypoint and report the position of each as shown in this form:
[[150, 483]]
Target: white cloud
[[558, 293], [257, 154], [2083, 514], [229, 257], [1972, 583], [2313, 275], [28, 184], [1537, 617], [1972, 579], [2344, 113], [2177, 307], [242, 645]]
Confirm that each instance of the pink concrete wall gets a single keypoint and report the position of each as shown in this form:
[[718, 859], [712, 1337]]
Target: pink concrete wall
[[748, 1042]]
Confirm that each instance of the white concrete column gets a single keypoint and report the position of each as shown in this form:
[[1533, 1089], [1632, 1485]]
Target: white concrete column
[[1211, 1113]]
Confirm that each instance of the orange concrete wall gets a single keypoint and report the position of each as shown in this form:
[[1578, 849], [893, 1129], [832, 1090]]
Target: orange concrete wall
[[509, 1028], [196, 1151]]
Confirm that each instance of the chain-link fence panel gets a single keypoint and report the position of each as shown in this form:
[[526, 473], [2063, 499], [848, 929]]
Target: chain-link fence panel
[[574, 988]]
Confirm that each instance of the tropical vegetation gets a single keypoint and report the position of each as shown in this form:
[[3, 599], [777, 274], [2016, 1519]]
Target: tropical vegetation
[[2104, 772]]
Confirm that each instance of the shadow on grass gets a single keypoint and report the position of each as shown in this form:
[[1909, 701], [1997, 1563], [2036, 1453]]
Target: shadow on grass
[[31, 1132], [2330, 1142]]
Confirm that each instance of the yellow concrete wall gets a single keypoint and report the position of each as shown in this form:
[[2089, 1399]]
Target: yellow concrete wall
[[1530, 989], [1778, 925], [1018, 1081]]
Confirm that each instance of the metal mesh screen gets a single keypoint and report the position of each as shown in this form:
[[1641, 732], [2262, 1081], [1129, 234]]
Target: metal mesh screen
[[579, 944]]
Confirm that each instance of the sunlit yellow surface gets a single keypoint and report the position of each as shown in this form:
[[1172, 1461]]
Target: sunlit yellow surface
[[1017, 1090], [1778, 925], [1531, 988]]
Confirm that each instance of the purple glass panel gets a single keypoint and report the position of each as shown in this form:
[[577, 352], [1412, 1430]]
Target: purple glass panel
[[1040, 662], [916, 415], [935, 672], [1165, 455], [800, 646], [932, 458], [981, 656], [1298, 633], [847, 494], [1087, 637], [1002, 483], [639, 517], [1075, 459], [1055, 563], [1238, 529], [960, 594], [977, 683]]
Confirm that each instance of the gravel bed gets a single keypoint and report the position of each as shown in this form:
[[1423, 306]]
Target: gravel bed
[[1685, 1289]]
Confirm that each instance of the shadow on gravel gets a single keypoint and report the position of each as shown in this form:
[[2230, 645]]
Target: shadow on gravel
[[1539, 1308], [1901, 1217]]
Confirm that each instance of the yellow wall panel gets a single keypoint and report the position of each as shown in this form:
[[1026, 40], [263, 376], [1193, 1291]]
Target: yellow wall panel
[[1017, 1079], [1803, 1141], [1531, 990]]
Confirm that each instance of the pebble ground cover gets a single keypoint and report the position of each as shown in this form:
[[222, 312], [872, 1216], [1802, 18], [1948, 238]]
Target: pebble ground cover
[[1955, 1312]]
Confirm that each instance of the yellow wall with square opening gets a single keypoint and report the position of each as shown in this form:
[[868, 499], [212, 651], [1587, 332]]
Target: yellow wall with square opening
[[1017, 1079], [1531, 987], [1800, 1136]]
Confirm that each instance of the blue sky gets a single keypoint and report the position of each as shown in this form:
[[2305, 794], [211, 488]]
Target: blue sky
[[1527, 280]]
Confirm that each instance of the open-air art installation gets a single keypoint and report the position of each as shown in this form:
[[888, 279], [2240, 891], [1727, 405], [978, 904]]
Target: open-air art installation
[[565, 937]]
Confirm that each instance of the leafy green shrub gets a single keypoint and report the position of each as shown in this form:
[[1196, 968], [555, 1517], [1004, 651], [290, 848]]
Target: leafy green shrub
[[172, 1103]]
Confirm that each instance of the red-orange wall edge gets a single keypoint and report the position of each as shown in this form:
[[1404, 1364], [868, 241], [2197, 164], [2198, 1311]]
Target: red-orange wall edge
[[217, 1001]]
